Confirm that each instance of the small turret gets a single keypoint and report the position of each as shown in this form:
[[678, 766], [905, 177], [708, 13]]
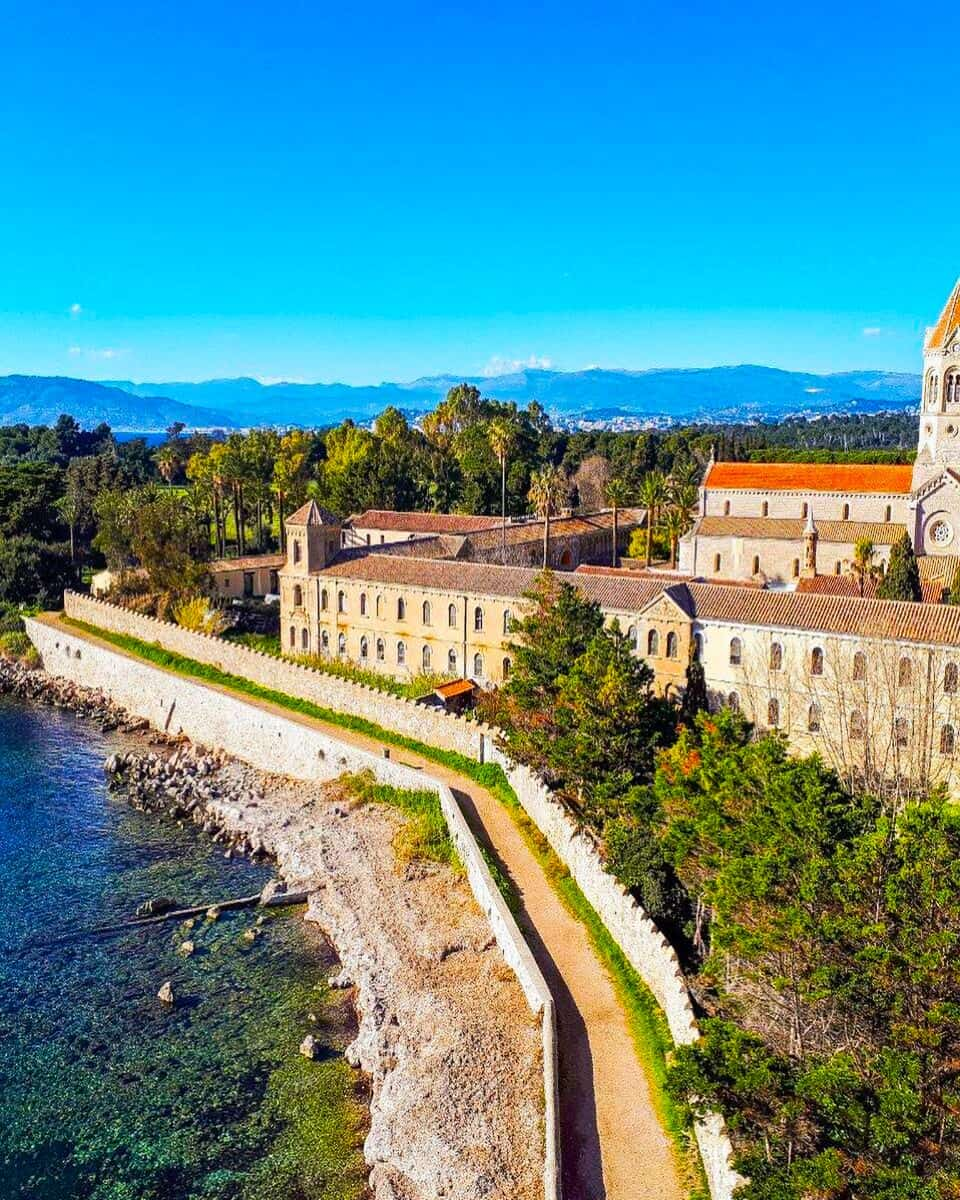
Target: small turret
[[313, 539], [810, 539]]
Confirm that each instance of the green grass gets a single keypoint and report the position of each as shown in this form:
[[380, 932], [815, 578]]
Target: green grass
[[647, 1022], [424, 836], [413, 689]]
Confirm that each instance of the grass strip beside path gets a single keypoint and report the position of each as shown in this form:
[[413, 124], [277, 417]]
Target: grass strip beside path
[[648, 1025]]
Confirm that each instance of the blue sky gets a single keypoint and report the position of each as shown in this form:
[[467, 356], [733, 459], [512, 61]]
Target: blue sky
[[368, 192]]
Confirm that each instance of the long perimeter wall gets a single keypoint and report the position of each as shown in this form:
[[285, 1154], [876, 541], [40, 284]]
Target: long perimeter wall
[[280, 744], [645, 947]]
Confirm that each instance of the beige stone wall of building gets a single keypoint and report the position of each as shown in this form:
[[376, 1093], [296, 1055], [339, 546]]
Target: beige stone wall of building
[[400, 631], [877, 709], [780, 560], [827, 506], [236, 582]]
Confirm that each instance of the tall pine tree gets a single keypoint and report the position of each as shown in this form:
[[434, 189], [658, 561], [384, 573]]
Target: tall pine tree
[[902, 580]]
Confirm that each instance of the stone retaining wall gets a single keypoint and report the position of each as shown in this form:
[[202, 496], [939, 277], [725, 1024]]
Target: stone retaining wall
[[648, 951], [402, 716], [280, 744]]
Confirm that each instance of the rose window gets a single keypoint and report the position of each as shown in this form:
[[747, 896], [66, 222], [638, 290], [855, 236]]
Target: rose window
[[940, 533]]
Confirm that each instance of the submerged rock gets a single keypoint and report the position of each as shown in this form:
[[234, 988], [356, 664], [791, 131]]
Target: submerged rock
[[186, 948], [156, 906], [165, 995]]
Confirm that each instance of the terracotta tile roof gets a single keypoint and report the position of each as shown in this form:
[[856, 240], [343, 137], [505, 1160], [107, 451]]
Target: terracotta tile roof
[[443, 545], [947, 323], [249, 562], [576, 526], [873, 478], [456, 687], [666, 577], [787, 529], [312, 514], [421, 522], [938, 624], [846, 585]]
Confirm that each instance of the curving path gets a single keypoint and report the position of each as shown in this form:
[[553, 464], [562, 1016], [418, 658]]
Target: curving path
[[613, 1146]]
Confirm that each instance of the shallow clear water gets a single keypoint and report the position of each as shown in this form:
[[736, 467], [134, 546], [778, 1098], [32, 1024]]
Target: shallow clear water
[[104, 1092]]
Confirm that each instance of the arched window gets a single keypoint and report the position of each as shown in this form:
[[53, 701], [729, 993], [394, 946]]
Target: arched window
[[716, 563], [293, 638], [363, 604], [478, 619], [813, 718], [324, 600], [478, 665], [733, 702], [506, 668], [653, 642], [698, 646], [425, 658], [804, 510], [736, 652], [904, 673], [305, 639], [342, 644], [932, 389], [776, 657], [566, 559], [901, 731], [381, 650], [671, 645], [756, 564], [401, 653], [765, 511], [364, 648], [325, 642], [401, 609], [856, 725], [951, 387], [452, 616], [796, 568], [296, 550], [507, 620], [452, 661], [888, 514], [859, 666], [341, 601], [947, 739], [726, 508], [950, 677], [425, 612], [773, 713], [816, 661], [837, 568], [846, 512], [297, 596], [378, 606]]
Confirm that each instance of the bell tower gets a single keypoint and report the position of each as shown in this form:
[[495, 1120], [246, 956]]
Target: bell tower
[[939, 442], [313, 539]]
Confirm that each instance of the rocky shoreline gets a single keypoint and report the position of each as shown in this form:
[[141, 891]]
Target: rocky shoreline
[[451, 1051]]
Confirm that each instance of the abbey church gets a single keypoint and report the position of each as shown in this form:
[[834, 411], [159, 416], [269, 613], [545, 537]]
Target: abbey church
[[782, 523]]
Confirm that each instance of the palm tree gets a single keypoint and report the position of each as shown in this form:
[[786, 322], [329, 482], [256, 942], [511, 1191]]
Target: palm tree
[[676, 522], [617, 494], [167, 460], [653, 494], [502, 433], [863, 568], [548, 489]]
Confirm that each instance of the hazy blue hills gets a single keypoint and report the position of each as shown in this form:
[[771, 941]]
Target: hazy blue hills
[[715, 393], [40, 399]]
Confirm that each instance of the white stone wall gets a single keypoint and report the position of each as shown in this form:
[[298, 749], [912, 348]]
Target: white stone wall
[[827, 506], [283, 745], [405, 717], [645, 947]]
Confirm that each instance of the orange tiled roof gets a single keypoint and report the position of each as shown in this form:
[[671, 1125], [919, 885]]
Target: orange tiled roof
[[456, 687], [873, 478], [791, 529], [421, 522], [947, 322], [312, 514], [846, 585], [249, 562]]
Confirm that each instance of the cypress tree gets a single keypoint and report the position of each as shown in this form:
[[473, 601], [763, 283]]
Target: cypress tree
[[953, 592], [902, 580], [695, 694]]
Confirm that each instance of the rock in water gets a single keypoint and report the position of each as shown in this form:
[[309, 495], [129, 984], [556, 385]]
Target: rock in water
[[153, 908], [165, 995], [186, 948], [310, 1047]]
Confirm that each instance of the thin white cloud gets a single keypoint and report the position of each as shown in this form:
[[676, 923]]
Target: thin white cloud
[[506, 366], [94, 353], [872, 331], [76, 310]]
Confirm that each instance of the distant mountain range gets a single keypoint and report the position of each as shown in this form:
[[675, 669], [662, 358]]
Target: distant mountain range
[[678, 394]]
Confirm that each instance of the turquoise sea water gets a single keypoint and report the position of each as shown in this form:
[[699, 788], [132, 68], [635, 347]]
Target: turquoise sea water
[[104, 1092]]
